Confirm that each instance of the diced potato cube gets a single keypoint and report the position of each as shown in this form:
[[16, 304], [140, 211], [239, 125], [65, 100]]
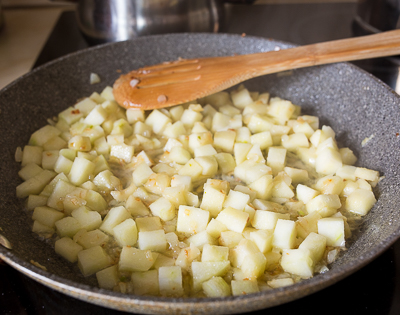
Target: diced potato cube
[[92, 260], [280, 282], [205, 150], [263, 239], [114, 217], [136, 207], [163, 208], [187, 255], [88, 219], [235, 220], [152, 240], [225, 140], [266, 220], [192, 220], [126, 233], [157, 120], [284, 234], [29, 170], [316, 244], [202, 238], [367, 174], [213, 200], [47, 216], [145, 282], [230, 239], [328, 161], [298, 262], [226, 162], [333, 230], [67, 226], [236, 200], [216, 287], [203, 271], [32, 154], [305, 193], [141, 174], [297, 175], [108, 278], [192, 169], [214, 253], [208, 164], [123, 152], [170, 281], [68, 249], [81, 170], [148, 224], [307, 224], [133, 259], [179, 155], [360, 201], [91, 238], [215, 227], [242, 287]]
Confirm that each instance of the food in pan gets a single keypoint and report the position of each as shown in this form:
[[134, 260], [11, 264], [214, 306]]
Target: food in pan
[[232, 195]]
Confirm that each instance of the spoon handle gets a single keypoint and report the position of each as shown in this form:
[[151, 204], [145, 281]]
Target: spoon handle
[[349, 49]]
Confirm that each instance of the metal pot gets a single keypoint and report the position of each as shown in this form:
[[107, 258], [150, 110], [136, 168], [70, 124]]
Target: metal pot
[[375, 16], [103, 21], [354, 103]]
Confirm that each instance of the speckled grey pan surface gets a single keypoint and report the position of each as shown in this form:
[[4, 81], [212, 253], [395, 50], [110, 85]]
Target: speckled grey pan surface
[[353, 102]]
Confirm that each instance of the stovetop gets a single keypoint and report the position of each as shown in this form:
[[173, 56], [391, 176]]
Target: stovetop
[[375, 289]]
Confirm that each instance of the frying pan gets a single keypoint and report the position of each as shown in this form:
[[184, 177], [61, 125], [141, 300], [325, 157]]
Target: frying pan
[[354, 103]]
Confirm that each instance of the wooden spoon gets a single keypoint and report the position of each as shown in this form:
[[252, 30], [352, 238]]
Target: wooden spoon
[[181, 81]]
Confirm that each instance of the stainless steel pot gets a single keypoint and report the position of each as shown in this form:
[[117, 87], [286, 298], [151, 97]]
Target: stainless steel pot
[[378, 15], [103, 21]]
